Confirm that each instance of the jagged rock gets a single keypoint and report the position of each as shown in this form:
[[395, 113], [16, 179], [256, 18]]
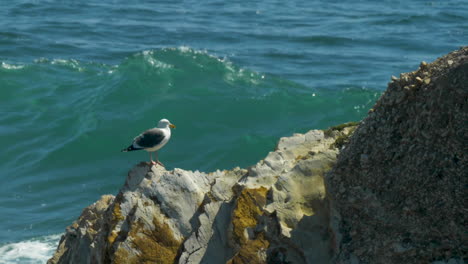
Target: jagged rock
[[83, 237], [398, 191], [396, 194], [271, 212]]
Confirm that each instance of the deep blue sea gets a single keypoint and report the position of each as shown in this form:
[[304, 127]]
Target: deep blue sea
[[80, 79]]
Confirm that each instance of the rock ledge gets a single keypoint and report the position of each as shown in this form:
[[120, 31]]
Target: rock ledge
[[271, 212]]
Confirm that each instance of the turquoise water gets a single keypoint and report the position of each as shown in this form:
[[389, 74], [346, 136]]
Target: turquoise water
[[79, 81]]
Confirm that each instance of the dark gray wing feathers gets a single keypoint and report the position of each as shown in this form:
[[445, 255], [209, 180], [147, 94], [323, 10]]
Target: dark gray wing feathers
[[149, 138]]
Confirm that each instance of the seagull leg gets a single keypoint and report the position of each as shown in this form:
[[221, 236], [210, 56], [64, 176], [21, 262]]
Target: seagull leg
[[157, 161], [151, 158]]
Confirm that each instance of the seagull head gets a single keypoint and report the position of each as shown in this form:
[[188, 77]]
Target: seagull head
[[164, 123]]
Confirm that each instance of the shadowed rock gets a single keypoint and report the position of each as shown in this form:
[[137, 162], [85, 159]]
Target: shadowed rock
[[398, 190]]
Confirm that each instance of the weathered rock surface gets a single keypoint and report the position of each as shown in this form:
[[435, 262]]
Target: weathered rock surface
[[399, 189], [397, 193], [273, 212]]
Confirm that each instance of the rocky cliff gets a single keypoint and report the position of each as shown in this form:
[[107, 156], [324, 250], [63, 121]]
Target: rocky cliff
[[272, 212], [396, 194]]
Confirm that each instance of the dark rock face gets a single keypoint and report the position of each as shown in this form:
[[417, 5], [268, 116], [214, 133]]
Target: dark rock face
[[399, 188]]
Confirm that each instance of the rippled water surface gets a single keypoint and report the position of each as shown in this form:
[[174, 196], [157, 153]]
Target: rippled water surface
[[79, 80]]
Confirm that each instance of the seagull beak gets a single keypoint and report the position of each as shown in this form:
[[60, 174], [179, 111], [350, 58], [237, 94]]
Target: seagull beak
[[172, 126]]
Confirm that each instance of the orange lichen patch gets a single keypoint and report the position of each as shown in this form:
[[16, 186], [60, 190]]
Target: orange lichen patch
[[158, 245], [245, 215]]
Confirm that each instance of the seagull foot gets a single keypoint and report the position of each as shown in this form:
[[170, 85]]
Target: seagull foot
[[154, 163]]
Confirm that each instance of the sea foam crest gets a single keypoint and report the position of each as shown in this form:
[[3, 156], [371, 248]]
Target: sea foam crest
[[69, 63], [148, 56], [232, 74], [37, 250], [11, 66]]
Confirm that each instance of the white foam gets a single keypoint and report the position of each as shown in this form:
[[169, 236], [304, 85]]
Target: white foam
[[74, 64], [7, 66], [34, 251], [185, 49]]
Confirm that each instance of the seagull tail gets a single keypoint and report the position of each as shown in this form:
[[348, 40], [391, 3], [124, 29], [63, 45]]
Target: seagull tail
[[130, 148]]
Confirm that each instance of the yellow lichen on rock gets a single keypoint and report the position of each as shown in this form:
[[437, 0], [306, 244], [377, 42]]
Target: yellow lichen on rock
[[122, 256], [117, 213], [252, 251], [112, 236], [155, 245], [116, 217], [246, 215], [247, 210]]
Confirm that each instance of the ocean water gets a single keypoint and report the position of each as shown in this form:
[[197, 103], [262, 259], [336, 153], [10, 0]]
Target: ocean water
[[79, 80]]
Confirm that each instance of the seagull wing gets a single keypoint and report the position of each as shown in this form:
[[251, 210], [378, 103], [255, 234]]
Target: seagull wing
[[148, 139]]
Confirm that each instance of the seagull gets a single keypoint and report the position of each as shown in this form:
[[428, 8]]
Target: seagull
[[152, 140]]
